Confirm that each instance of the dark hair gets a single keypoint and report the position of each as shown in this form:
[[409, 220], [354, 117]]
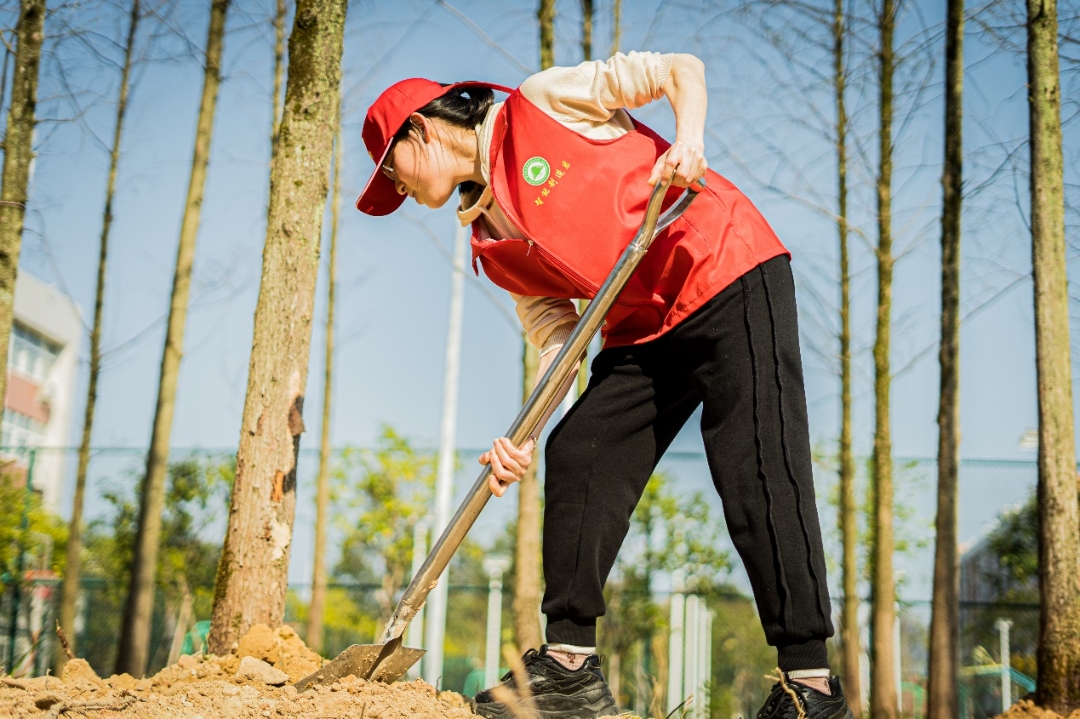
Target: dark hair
[[464, 107]]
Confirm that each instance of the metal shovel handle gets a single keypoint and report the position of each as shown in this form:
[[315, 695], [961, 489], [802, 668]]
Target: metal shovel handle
[[542, 397]]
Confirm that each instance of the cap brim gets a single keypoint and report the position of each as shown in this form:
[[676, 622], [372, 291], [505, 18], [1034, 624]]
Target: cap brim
[[379, 196]]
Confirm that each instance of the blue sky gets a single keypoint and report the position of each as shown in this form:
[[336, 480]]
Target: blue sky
[[395, 279]]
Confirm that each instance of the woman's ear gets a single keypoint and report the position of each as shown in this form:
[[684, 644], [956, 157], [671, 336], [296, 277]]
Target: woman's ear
[[423, 126]]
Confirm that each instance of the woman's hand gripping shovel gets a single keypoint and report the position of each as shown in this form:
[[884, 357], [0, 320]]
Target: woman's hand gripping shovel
[[389, 660]]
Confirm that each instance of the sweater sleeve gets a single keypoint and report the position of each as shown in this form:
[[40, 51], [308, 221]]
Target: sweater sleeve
[[547, 321], [593, 92]]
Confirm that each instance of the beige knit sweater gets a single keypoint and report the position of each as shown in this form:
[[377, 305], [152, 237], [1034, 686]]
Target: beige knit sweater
[[591, 99]]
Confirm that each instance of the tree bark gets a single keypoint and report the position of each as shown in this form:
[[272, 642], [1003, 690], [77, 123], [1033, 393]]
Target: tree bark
[[18, 157], [545, 15], [849, 639], [586, 29], [135, 632], [883, 699], [526, 606], [252, 573], [616, 31], [69, 592], [942, 697], [322, 481], [279, 68], [1059, 513]]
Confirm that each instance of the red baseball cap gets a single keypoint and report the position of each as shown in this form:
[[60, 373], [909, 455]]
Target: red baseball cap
[[384, 118]]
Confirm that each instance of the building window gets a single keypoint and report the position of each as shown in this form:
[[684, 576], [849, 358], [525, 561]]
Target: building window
[[30, 353], [20, 433]]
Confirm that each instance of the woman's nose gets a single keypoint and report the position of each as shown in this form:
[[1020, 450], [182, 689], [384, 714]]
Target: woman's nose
[[400, 187]]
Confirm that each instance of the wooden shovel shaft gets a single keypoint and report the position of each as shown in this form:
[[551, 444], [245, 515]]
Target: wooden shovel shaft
[[542, 397]]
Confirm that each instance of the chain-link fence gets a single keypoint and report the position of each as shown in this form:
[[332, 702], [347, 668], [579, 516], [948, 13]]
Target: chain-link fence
[[36, 499]]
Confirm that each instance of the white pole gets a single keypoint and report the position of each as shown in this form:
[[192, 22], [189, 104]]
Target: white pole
[[1006, 662], [897, 658], [701, 691], [494, 566], [444, 478], [415, 635], [675, 644], [690, 654], [708, 655], [569, 399]]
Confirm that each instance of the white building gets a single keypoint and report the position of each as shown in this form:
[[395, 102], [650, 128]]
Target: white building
[[42, 368]]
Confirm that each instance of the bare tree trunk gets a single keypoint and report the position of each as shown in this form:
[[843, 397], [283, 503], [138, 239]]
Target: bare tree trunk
[[279, 68], [252, 573], [18, 158], [545, 14], [883, 699], [849, 639], [322, 481], [69, 592], [616, 32], [586, 29], [1059, 513], [942, 697], [135, 632], [526, 606]]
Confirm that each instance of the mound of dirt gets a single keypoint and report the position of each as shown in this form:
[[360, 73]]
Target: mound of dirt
[[208, 687], [1025, 709]]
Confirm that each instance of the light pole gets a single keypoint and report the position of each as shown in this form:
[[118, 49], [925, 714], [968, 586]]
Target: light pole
[[494, 567], [1003, 626], [444, 478]]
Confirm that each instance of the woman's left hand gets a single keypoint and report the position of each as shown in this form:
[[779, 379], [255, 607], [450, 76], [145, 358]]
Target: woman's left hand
[[508, 464], [685, 159]]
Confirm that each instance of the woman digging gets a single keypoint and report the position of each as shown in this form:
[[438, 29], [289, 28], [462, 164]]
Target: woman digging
[[554, 182]]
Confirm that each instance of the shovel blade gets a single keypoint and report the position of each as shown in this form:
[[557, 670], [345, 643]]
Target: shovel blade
[[394, 665], [377, 662], [357, 660]]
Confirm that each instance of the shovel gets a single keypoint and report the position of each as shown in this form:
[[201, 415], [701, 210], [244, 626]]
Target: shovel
[[388, 660]]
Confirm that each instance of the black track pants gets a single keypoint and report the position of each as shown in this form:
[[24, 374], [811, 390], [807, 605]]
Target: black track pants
[[738, 356]]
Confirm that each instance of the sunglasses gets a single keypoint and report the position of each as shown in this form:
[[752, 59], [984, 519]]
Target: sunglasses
[[387, 168]]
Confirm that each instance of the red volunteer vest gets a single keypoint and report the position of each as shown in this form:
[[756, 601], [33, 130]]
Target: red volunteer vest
[[578, 202]]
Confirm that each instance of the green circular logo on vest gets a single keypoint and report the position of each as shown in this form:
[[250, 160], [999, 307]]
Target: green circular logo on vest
[[536, 171]]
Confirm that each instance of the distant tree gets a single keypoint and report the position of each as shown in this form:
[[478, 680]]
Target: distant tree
[[527, 562], [883, 699], [943, 667], [70, 589], [135, 631], [197, 491], [668, 532], [252, 575], [1015, 543], [389, 488], [279, 68], [850, 641], [18, 158], [15, 502], [1059, 504]]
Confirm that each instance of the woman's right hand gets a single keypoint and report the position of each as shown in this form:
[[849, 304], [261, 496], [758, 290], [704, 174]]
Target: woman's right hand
[[508, 463]]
